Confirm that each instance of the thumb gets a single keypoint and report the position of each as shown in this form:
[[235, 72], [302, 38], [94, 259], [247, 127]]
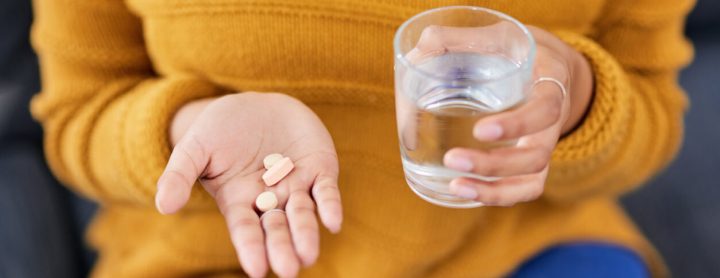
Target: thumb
[[186, 163]]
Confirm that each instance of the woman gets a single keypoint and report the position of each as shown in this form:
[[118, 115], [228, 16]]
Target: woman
[[126, 82]]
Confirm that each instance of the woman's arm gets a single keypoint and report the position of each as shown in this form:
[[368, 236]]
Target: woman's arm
[[104, 110], [110, 122], [633, 127]]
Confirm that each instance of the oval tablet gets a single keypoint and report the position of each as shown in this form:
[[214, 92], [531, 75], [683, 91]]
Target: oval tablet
[[278, 171], [271, 159], [266, 201]]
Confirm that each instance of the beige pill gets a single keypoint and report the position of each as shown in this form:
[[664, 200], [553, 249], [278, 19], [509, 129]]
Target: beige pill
[[278, 171], [271, 159], [266, 201]]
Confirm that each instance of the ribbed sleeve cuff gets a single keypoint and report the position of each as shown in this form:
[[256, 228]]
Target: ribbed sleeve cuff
[[597, 138], [145, 146]]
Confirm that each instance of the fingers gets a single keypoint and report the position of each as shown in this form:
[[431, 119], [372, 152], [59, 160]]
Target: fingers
[[303, 226], [327, 196], [279, 245], [235, 201], [185, 165], [499, 162], [503, 192], [437, 40], [247, 238], [543, 109], [531, 155]]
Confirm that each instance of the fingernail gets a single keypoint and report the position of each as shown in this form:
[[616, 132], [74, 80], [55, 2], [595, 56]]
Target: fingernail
[[335, 230], [157, 205], [487, 132], [160, 194], [157, 199], [459, 163], [465, 191]]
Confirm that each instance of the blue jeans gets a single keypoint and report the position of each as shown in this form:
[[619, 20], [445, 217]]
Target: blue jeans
[[587, 260]]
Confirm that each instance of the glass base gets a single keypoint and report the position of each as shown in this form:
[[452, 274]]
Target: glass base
[[438, 198]]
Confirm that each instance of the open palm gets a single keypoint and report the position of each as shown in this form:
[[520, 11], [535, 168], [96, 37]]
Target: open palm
[[224, 148]]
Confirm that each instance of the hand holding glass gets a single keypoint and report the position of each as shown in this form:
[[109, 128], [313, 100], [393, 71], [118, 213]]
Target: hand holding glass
[[453, 67]]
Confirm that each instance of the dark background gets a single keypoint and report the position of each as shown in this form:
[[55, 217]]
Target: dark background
[[41, 223], [679, 210]]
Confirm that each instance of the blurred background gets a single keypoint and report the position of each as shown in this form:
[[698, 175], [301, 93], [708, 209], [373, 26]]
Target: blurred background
[[41, 223], [678, 210]]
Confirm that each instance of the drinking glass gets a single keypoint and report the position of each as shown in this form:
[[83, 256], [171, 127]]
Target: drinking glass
[[454, 66]]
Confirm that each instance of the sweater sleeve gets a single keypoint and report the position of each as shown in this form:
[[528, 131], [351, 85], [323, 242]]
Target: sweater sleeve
[[634, 125], [104, 110]]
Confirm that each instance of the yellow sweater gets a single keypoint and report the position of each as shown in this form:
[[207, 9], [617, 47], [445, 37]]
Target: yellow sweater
[[114, 72]]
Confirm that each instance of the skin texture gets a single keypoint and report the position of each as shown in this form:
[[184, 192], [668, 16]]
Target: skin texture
[[222, 141]]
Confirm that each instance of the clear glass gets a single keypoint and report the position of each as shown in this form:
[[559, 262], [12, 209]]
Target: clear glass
[[454, 66]]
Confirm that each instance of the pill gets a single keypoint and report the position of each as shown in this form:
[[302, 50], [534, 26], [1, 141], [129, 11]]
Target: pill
[[278, 171], [271, 159], [266, 201]]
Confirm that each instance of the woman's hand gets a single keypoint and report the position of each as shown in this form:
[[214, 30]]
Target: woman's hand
[[222, 142], [537, 125]]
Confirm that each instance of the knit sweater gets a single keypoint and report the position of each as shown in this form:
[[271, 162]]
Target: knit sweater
[[115, 72]]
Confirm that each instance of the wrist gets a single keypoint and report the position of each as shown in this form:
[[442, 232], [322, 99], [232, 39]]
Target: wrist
[[580, 91], [184, 118]]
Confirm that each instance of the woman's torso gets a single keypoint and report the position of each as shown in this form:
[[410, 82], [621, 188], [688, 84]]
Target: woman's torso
[[336, 56]]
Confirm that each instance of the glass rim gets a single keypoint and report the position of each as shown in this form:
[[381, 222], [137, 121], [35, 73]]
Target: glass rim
[[401, 57]]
